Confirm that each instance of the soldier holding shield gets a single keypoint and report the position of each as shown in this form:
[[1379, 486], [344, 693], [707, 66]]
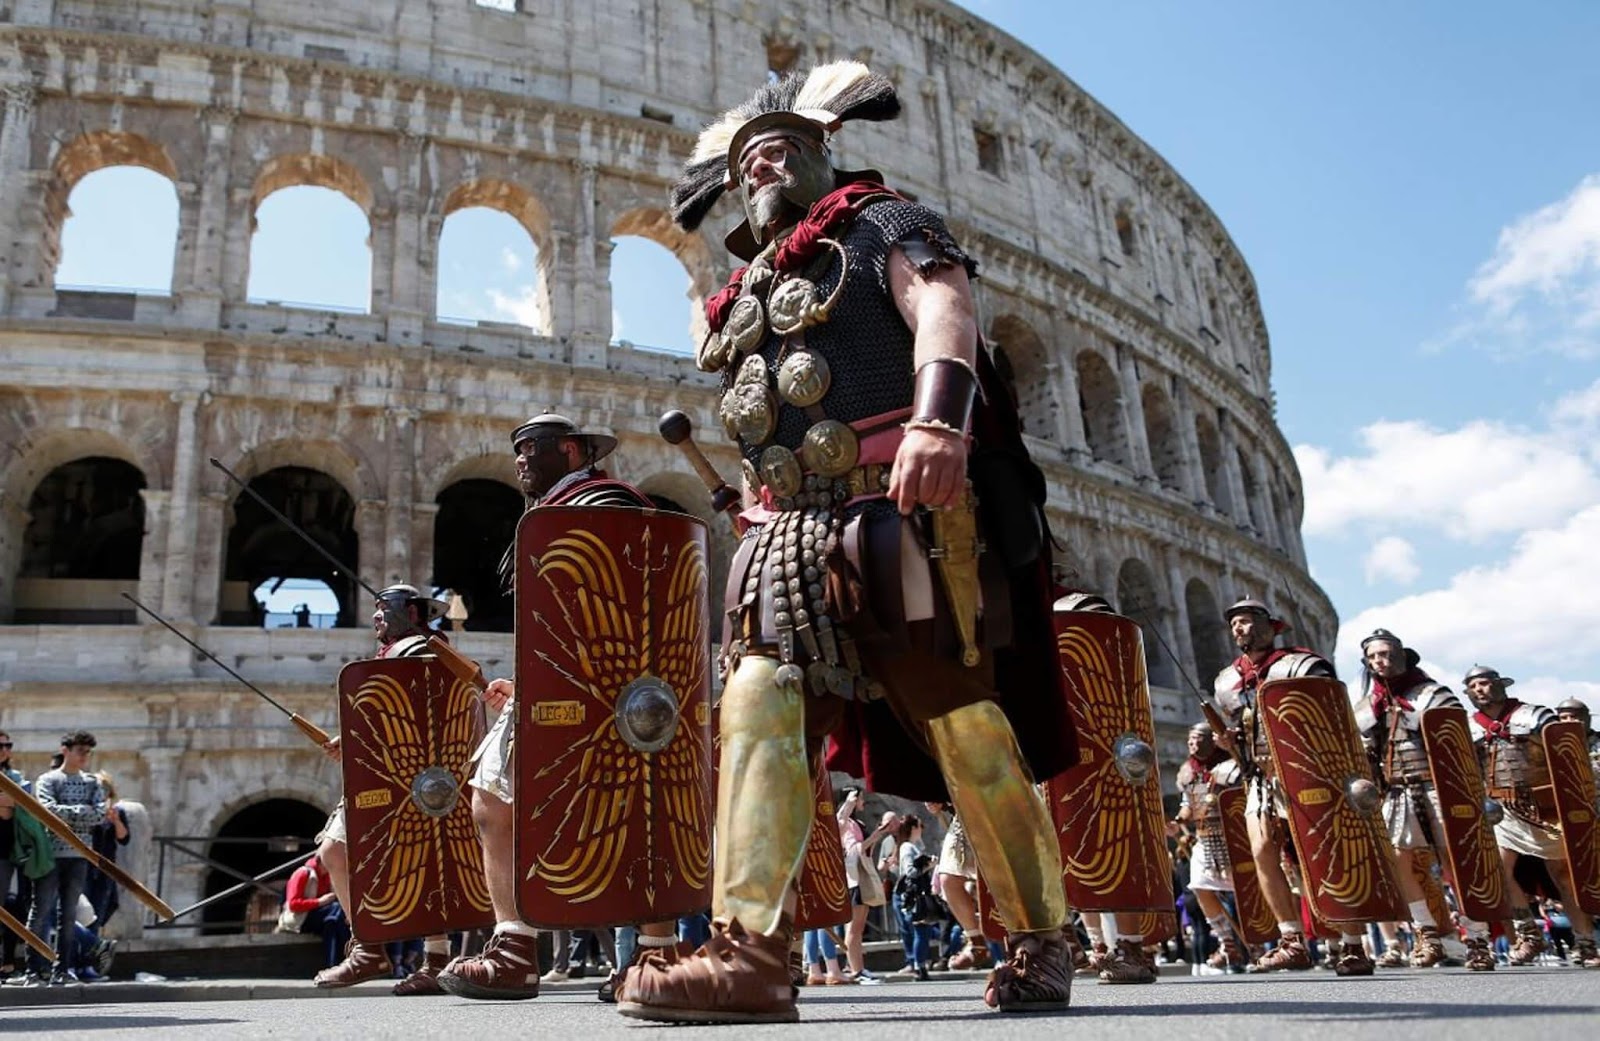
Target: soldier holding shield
[[1509, 735], [557, 465]]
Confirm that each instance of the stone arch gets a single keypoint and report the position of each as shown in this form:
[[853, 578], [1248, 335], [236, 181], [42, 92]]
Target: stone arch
[[305, 170], [82, 156], [1205, 631], [258, 546], [476, 521], [484, 466], [691, 250], [82, 544], [1139, 598], [1015, 340], [47, 451], [1209, 440], [276, 823], [1100, 399], [1250, 511], [1161, 433], [337, 459]]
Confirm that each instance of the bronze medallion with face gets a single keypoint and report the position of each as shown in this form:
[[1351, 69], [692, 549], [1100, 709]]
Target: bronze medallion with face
[[746, 326], [794, 304], [780, 471], [749, 413], [830, 448], [804, 379]]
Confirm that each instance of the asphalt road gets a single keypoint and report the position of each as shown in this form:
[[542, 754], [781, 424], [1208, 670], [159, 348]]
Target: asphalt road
[[1542, 1002]]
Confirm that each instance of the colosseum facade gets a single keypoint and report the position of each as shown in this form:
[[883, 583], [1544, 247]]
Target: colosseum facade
[[1127, 318]]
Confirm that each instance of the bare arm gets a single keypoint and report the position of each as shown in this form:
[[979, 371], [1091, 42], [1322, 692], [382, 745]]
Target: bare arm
[[930, 468]]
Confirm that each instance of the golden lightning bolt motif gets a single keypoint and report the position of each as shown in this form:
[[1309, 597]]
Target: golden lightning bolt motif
[[416, 859], [1111, 832], [1474, 856], [1573, 778], [599, 642], [1349, 853]]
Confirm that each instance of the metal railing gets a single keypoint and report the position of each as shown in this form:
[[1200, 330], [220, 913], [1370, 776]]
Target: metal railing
[[184, 846]]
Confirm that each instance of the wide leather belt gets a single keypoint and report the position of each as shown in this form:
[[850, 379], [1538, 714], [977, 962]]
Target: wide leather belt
[[818, 491]]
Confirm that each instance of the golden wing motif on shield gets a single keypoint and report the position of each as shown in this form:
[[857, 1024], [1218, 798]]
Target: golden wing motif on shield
[[390, 745], [1349, 845], [1454, 763], [611, 632], [1107, 821]]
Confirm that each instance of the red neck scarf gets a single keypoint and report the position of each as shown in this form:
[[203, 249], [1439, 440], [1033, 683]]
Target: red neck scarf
[[827, 218], [1497, 729], [1385, 692], [1250, 673]]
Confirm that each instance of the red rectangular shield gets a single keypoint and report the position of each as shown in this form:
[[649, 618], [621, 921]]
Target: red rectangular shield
[[416, 865], [1107, 809], [614, 790], [1566, 750], [1346, 858], [1468, 840], [1253, 918], [822, 890]]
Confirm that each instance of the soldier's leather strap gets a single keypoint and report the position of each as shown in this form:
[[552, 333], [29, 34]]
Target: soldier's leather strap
[[40, 948], [945, 389], [63, 831]]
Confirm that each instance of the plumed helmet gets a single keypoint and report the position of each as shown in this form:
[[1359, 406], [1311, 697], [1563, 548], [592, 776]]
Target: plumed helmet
[[1250, 605], [552, 425], [810, 106], [427, 607], [1484, 672]]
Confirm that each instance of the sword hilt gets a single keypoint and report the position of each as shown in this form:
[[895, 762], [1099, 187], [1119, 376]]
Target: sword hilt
[[677, 430]]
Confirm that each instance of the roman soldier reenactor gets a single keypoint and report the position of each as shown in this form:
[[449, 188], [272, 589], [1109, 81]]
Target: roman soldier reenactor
[[557, 465], [401, 621], [1203, 776], [851, 371], [1511, 748], [1390, 717], [1255, 631]]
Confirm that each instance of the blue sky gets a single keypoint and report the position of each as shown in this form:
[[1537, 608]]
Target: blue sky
[[1417, 189]]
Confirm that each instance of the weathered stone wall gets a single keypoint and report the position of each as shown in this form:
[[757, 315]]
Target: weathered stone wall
[[1128, 317]]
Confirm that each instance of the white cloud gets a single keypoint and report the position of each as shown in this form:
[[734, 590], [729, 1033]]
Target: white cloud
[[617, 326], [1531, 611], [1540, 291], [1482, 479], [524, 308], [1549, 690], [1392, 559], [509, 259]]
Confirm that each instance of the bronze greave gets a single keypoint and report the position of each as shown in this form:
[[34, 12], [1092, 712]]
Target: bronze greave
[[764, 796], [1007, 822]]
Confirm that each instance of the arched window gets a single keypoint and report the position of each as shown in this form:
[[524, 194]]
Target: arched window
[[649, 287], [1024, 354], [1126, 237], [311, 242], [489, 270], [82, 545], [259, 837], [1137, 599], [1251, 511], [1206, 632], [261, 548], [1210, 442], [1166, 450], [120, 234], [1100, 398], [477, 521], [660, 277]]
